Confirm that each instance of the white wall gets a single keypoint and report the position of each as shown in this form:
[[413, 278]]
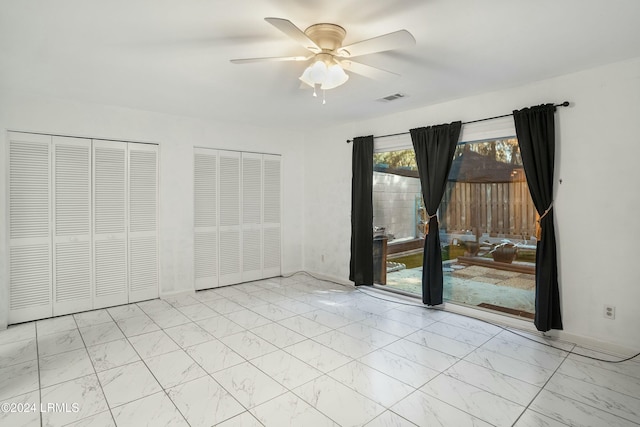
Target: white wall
[[177, 137], [596, 206]]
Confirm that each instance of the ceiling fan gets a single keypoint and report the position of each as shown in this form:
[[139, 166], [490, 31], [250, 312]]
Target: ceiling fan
[[330, 58]]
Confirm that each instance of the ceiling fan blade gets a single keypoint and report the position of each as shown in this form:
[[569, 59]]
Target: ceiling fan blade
[[294, 32], [270, 59], [367, 70], [396, 40]]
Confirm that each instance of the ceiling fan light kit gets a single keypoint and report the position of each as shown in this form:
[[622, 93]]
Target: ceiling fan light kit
[[325, 42], [324, 73]]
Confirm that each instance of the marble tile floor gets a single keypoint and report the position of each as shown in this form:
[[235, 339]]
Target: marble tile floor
[[299, 352]]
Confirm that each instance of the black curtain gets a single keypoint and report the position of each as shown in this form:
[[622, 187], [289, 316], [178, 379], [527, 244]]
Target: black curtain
[[361, 264], [434, 147], [535, 129]]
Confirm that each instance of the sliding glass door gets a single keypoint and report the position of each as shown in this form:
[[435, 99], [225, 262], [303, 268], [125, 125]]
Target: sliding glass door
[[487, 223]]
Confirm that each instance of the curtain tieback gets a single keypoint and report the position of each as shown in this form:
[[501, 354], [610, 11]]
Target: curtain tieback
[[538, 222], [426, 223]]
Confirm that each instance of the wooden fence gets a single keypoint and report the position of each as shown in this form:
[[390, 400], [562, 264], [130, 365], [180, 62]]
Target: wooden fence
[[499, 209]]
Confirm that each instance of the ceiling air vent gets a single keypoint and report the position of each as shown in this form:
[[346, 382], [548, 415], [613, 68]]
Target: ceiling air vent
[[392, 97]]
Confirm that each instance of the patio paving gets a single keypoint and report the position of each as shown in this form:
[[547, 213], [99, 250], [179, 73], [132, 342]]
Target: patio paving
[[474, 285]]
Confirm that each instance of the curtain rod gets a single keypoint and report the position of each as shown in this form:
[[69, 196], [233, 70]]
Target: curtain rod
[[564, 104]]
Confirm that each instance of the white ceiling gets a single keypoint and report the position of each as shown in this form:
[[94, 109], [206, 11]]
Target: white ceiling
[[172, 56]]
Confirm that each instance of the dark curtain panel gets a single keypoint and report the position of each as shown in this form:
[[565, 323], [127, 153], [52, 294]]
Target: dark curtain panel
[[361, 264], [536, 137], [434, 147]]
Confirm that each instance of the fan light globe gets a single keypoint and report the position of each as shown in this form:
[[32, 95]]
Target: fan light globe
[[318, 72], [335, 77], [328, 77], [306, 78], [315, 73]]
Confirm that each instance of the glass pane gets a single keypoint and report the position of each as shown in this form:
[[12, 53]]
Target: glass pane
[[398, 240], [487, 229]]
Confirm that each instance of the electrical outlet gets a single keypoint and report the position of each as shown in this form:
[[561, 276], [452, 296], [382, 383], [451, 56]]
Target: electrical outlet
[[609, 312]]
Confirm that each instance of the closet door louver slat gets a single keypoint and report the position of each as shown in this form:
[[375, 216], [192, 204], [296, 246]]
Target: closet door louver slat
[[30, 286]]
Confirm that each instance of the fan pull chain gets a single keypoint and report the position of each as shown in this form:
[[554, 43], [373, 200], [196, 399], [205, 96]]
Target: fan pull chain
[[324, 101]]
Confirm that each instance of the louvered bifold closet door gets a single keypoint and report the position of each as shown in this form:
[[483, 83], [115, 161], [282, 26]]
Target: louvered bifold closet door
[[251, 216], [229, 230], [143, 222], [110, 223], [205, 165], [271, 229], [30, 290], [72, 275]]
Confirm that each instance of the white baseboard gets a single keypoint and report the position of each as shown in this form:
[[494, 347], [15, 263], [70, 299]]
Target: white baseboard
[[613, 349], [334, 279], [181, 292]]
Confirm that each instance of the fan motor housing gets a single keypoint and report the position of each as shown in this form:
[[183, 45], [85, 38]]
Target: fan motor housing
[[328, 37]]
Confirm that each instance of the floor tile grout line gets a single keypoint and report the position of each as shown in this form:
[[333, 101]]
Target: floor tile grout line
[[245, 361], [314, 379], [324, 374], [490, 337], [94, 370], [455, 407], [513, 358], [396, 414], [207, 373], [596, 384], [379, 403], [541, 390], [583, 403], [483, 389], [506, 375], [439, 373], [443, 372], [35, 327], [150, 371]]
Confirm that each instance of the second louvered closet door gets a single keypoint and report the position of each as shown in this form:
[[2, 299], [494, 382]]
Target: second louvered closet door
[[251, 216], [237, 207], [30, 288], [205, 250], [143, 222], [271, 230], [229, 213], [110, 223], [72, 278]]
